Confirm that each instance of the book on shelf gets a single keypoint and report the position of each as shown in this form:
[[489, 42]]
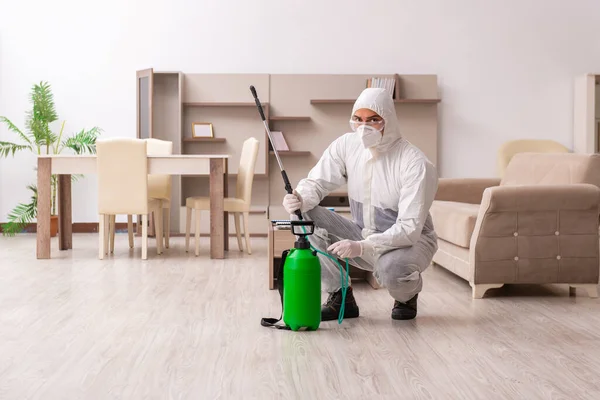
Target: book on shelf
[[279, 141], [385, 83]]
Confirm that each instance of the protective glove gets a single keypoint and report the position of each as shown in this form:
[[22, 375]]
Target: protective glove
[[292, 202], [346, 249]]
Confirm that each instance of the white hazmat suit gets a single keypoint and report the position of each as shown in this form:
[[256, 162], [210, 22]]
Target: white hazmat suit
[[391, 186]]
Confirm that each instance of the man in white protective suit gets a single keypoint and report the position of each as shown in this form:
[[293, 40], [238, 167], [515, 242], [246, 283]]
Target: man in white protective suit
[[391, 186]]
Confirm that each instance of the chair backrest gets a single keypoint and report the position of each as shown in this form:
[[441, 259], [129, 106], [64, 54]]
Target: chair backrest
[[122, 167], [159, 186], [552, 169], [507, 151], [245, 175]]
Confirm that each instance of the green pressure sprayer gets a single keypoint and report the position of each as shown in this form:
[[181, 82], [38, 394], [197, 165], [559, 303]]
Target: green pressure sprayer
[[300, 291]]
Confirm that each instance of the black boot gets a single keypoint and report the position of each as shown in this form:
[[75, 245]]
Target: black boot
[[406, 310], [331, 309]]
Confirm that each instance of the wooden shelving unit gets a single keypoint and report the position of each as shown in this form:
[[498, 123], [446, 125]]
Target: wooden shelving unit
[[202, 139], [169, 102]]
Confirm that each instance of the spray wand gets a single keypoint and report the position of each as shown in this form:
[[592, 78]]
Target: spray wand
[[288, 188]]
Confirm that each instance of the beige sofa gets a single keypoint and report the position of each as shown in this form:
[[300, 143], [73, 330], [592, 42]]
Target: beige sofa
[[537, 225]]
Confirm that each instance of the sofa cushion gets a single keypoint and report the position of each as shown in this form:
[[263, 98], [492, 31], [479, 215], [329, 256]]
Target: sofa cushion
[[454, 221]]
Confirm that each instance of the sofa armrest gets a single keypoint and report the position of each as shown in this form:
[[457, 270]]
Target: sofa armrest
[[536, 234], [464, 190], [541, 198]]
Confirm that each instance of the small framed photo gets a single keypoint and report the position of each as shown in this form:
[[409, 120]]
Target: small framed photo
[[202, 130]]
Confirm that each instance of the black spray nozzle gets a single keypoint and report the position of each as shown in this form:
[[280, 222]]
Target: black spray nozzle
[[260, 110]]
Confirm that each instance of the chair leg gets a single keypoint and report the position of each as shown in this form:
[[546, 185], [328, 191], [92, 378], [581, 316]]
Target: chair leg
[[101, 228], [238, 232], [130, 230], [106, 233], [167, 227], [112, 233], [158, 226], [197, 232], [188, 227], [247, 231], [145, 237], [152, 225]]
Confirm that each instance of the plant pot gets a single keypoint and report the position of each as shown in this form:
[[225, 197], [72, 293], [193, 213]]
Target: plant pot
[[53, 225]]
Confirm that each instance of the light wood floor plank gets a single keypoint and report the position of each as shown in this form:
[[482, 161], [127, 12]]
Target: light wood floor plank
[[183, 327]]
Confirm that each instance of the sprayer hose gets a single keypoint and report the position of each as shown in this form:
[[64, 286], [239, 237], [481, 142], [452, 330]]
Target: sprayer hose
[[344, 283]]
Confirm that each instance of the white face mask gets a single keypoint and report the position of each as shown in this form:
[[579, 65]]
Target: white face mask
[[369, 136]]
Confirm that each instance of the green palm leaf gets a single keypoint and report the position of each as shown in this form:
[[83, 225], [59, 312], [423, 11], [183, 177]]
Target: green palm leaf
[[21, 215], [83, 141], [8, 148], [42, 114], [13, 128]]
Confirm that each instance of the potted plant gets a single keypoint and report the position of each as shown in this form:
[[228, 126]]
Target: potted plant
[[39, 138]]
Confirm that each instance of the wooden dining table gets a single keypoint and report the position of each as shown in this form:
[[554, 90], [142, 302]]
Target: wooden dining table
[[214, 165]]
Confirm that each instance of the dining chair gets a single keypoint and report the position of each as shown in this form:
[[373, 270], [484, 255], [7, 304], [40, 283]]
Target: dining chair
[[122, 166], [238, 205], [512, 147], [159, 188]]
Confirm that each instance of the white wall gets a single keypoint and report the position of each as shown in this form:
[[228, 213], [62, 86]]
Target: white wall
[[506, 68]]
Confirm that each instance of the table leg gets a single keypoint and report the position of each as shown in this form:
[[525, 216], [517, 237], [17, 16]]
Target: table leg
[[225, 194], [43, 207], [217, 214], [65, 216]]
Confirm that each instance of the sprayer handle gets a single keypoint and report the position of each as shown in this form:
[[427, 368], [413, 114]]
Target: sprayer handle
[[288, 188], [260, 110]]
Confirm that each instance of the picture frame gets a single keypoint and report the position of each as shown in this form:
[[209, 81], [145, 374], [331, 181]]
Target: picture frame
[[202, 130]]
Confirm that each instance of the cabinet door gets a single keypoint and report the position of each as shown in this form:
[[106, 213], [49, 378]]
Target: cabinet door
[[145, 92]]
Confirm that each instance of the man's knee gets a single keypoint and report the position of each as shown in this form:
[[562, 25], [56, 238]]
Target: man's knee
[[393, 273], [401, 278]]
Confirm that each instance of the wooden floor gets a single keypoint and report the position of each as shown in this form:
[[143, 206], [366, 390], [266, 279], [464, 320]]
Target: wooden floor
[[181, 327]]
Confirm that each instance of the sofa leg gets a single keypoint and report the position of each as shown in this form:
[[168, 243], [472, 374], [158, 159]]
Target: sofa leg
[[592, 290], [480, 289]]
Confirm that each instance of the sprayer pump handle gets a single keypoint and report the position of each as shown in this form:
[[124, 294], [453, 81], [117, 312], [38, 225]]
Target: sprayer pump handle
[[260, 110]]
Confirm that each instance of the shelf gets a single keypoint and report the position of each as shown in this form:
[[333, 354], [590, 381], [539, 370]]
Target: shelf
[[229, 175], [221, 104], [204, 139], [278, 118], [291, 153], [418, 101], [332, 101], [352, 101]]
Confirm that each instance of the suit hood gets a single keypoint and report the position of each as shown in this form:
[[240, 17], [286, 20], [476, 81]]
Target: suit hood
[[380, 101]]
